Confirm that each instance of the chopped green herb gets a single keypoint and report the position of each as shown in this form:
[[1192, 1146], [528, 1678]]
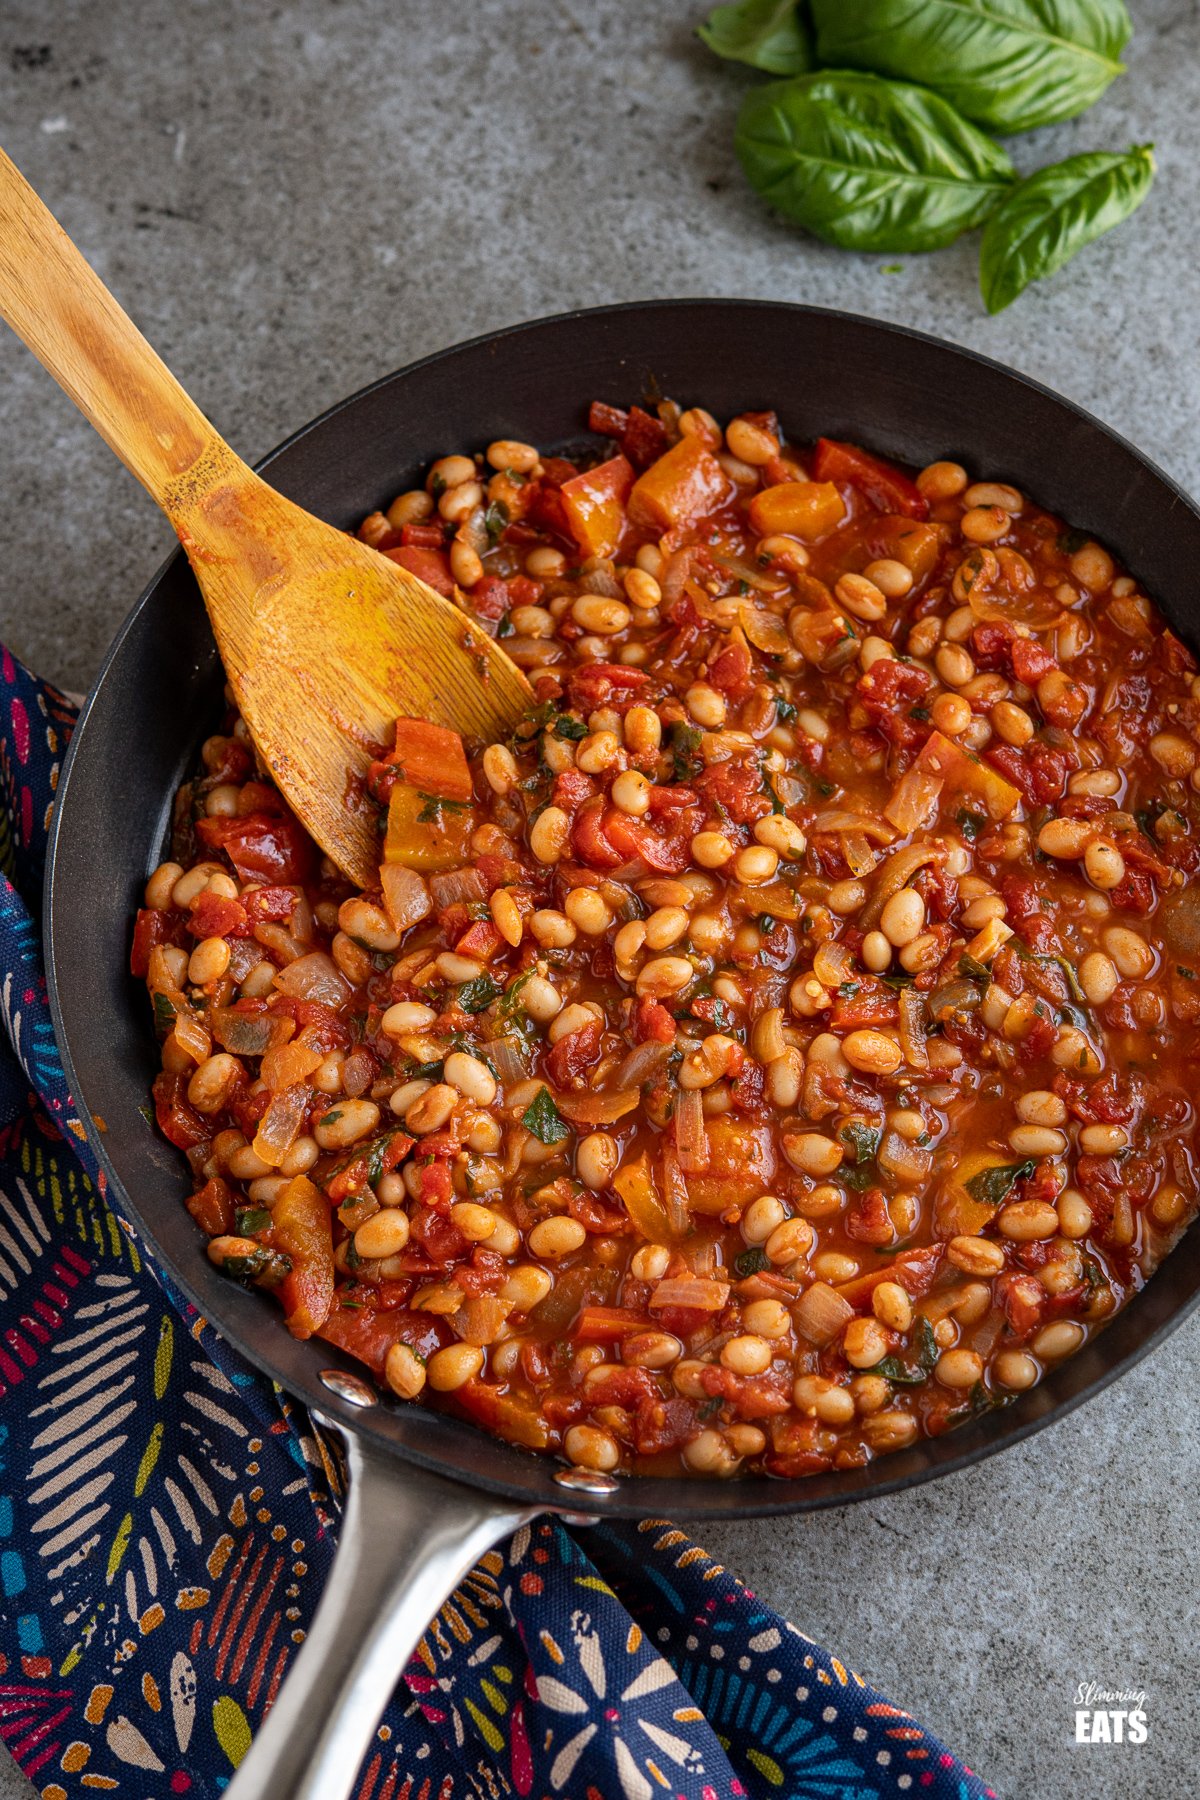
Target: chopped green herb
[[973, 969], [147, 1113], [766, 922], [250, 1220], [685, 742], [1188, 974], [435, 806], [1071, 541], [569, 727], [920, 713], [785, 712], [992, 1186], [911, 1374], [751, 1262], [543, 1118], [473, 996], [710, 1408], [331, 1118], [862, 1140], [970, 824], [494, 521], [164, 1012]]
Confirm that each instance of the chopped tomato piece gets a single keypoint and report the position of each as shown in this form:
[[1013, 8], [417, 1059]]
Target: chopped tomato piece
[[430, 566], [270, 847]]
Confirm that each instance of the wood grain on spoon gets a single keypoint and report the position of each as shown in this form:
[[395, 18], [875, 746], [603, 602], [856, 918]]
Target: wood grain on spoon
[[325, 642]]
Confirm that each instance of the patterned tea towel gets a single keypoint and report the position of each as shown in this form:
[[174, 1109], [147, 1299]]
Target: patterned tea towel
[[167, 1520]]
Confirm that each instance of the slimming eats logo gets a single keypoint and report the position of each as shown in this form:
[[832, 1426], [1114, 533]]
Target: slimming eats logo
[[1109, 1715]]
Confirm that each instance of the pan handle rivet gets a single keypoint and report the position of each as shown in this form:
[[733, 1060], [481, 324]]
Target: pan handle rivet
[[586, 1481], [349, 1388]]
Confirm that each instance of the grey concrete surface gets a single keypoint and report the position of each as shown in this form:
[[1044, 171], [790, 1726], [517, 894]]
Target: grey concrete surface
[[294, 199]]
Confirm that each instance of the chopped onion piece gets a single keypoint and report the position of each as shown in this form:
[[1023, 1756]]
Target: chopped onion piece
[[190, 1034], [914, 800], [315, 977], [701, 1295], [596, 1109], [691, 1138], [405, 895], [904, 1160], [858, 853], [748, 572], [245, 1034], [280, 1124], [642, 1062], [819, 1314], [912, 1028], [833, 964], [896, 873], [675, 1194], [456, 886], [838, 819], [765, 630], [505, 1057], [634, 1182]]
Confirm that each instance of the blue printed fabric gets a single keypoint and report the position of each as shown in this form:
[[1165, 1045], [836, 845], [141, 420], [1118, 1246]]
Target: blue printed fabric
[[167, 1520]]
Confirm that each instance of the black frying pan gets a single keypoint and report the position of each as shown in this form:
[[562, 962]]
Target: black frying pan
[[428, 1493]]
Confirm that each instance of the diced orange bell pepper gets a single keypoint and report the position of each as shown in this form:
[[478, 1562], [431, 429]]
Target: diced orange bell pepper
[[741, 1166], [965, 776], [685, 484], [800, 509], [427, 831], [301, 1227], [594, 503], [432, 758]]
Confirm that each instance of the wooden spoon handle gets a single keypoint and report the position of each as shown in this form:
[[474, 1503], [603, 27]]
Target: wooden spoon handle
[[59, 307]]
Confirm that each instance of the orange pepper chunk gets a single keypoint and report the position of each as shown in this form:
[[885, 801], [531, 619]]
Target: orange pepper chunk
[[685, 484], [301, 1227], [800, 509], [594, 503]]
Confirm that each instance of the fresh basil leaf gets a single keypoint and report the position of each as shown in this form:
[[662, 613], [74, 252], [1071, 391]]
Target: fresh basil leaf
[[569, 727], [973, 969], [992, 1186], [473, 996], [768, 34], [543, 1118], [1053, 213], [250, 1220], [751, 1262], [1007, 64], [863, 1140], [869, 164]]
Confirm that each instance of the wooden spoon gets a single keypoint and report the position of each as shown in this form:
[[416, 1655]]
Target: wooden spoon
[[325, 642]]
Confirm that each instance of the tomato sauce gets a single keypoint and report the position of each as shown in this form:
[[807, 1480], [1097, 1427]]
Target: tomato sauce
[[782, 1047]]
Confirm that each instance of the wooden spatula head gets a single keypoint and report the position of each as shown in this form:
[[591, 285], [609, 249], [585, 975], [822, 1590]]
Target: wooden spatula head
[[325, 643]]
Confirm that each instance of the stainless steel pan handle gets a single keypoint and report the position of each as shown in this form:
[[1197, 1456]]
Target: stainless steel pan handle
[[407, 1539]]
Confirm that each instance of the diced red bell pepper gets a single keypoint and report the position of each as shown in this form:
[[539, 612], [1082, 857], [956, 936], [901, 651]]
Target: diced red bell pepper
[[431, 758], [888, 488], [594, 506], [430, 566], [424, 537], [480, 940], [644, 438], [262, 846]]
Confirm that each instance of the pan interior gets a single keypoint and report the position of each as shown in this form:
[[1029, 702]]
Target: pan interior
[[902, 394]]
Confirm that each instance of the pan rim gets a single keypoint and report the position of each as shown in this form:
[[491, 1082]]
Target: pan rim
[[750, 1497]]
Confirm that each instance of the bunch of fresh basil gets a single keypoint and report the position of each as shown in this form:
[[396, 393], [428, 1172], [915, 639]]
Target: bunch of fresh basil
[[875, 139]]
